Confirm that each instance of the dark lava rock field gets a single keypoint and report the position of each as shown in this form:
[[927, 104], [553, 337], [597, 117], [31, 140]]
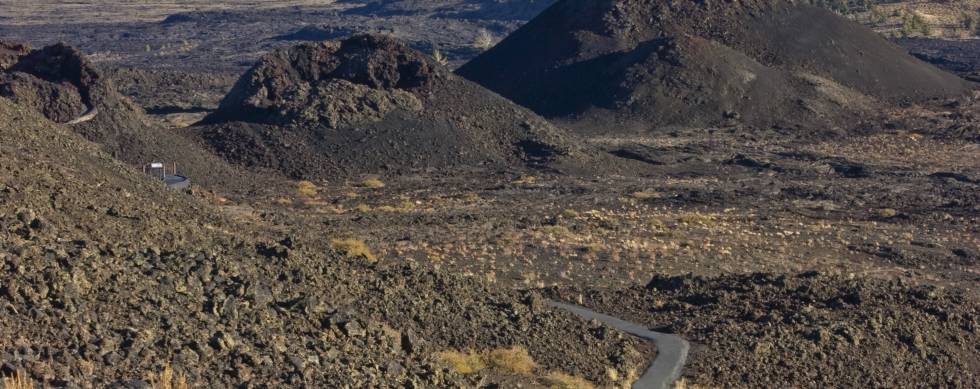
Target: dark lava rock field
[[386, 194]]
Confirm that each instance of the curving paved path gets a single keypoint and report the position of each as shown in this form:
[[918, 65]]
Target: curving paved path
[[88, 115], [671, 349]]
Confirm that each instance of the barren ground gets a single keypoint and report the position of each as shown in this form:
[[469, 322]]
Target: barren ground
[[808, 260]]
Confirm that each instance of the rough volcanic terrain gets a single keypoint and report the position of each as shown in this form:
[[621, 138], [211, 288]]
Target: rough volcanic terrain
[[798, 215], [370, 104], [619, 66], [225, 35], [109, 284], [61, 84], [807, 330], [958, 56]]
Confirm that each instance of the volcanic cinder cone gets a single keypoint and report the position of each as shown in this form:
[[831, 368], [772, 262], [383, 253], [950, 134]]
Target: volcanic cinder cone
[[60, 83], [607, 66], [370, 104]]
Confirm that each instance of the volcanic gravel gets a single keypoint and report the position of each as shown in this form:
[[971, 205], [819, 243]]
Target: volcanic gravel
[[370, 104], [633, 66]]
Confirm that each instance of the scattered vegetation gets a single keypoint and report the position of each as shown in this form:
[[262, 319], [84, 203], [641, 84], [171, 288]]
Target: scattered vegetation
[[697, 218], [683, 384], [306, 188], [913, 23], [462, 363], [569, 214], [471, 197], [970, 24], [168, 379], [525, 180], [439, 57], [515, 360], [403, 206], [886, 213], [556, 380], [645, 195], [556, 230], [373, 183], [876, 15], [18, 380], [484, 40], [354, 248]]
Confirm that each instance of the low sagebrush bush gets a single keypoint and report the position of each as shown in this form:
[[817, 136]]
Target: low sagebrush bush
[[353, 248], [556, 380], [373, 183], [515, 360], [306, 188], [462, 362]]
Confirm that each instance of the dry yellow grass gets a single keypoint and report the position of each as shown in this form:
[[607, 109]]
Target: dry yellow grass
[[18, 381], [683, 384], [569, 214], [462, 362], [556, 380], [404, 206], [645, 195], [373, 183], [697, 218], [471, 197], [525, 180], [168, 379], [307, 189], [887, 213], [515, 360], [353, 248], [556, 230]]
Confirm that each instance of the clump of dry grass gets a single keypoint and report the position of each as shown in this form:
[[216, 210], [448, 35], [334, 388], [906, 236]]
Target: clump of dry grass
[[168, 379], [556, 230], [483, 41], [683, 384], [886, 213], [525, 180], [515, 360], [404, 206], [462, 362], [353, 248], [557, 380], [645, 195], [373, 183], [697, 218], [18, 380], [569, 214], [306, 188], [656, 224], [439, 57]]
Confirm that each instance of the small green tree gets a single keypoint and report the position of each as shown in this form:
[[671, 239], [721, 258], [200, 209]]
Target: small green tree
[[969, 23], [921, 24]]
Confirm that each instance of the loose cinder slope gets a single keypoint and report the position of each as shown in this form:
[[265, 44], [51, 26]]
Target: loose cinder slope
[[370, 104], [618, 65], [59, 82], [106, 278]]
